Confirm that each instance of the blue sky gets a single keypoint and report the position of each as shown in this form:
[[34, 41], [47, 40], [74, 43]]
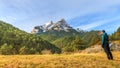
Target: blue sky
[[83, 14]]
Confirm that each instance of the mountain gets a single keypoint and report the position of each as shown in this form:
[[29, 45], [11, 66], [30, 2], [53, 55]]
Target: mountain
[[50, 26], [61, 35], [52, 31], [61, 25], [16, 41], [64, 37]]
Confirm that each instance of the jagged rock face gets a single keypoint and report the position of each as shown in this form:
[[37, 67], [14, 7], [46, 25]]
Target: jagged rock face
[[35, 30], [60, 25], [48, 25]]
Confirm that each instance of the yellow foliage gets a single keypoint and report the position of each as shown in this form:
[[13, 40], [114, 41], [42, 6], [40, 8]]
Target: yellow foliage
[[78, 60]]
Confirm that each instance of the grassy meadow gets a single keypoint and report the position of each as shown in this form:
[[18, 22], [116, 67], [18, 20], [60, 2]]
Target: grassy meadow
[[77, 60]]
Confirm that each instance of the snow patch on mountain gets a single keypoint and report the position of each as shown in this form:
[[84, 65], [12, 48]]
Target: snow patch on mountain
[[59, 25]]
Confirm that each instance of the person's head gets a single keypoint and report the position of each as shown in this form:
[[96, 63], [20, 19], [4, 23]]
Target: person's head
[[101, 32]]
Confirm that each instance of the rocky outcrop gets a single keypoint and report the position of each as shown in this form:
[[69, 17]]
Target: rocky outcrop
[[60, 25]]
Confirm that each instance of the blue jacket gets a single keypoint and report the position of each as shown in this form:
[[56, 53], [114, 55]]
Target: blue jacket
[[105, 39]]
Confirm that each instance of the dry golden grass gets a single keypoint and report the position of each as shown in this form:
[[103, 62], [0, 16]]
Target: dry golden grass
[[93, 60]]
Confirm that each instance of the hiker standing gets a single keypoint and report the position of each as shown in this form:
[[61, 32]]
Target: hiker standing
[[105, 45]]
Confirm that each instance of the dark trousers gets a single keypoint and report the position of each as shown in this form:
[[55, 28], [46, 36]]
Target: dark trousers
[[108, 52]]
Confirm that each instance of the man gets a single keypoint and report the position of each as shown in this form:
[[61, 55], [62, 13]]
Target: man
[[105, 45]]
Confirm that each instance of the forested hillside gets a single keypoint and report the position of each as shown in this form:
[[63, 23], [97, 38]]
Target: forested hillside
[[15, 41], [67, 40], [116, 35], [91, 37]]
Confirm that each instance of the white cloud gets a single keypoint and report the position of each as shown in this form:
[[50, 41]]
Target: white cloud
[[97, 23], [37, 12]]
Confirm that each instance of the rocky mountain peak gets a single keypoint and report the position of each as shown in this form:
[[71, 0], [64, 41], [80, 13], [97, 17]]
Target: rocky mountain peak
[[62, 22], [59, 25]]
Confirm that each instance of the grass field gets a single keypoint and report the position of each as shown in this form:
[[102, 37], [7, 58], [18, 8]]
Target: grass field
[[97, 60]]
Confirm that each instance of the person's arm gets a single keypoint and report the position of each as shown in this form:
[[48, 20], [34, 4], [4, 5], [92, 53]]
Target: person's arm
[[103, 36]]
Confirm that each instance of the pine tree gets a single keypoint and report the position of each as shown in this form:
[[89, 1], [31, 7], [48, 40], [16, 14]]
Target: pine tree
[[78, 44]]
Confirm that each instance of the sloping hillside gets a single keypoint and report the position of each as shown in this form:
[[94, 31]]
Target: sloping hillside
[[15, 41]]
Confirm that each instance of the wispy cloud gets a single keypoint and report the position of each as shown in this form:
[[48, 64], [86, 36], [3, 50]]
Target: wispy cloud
[[26, 14], [97, 23]]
